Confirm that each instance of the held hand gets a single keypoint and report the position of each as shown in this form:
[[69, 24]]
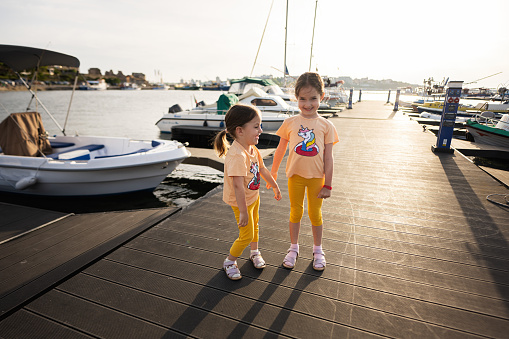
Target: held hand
[[277, 193], [243, 219], [274, 175], [324, 193]]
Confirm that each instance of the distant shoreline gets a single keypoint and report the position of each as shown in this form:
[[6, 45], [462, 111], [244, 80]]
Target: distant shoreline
[[49, 88]]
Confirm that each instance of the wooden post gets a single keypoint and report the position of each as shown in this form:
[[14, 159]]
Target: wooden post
[[350, 99], [396, 103]]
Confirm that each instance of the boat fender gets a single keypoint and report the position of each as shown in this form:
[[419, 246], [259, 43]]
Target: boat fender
[[25, 182]]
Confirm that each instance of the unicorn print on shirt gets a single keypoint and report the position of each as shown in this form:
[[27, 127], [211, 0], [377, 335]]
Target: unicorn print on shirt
[[254, 183], [308, 146]]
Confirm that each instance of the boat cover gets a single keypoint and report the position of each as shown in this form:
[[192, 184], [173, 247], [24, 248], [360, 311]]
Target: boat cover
[[226, 101], [20, 58], [259, 81], [23, 134]]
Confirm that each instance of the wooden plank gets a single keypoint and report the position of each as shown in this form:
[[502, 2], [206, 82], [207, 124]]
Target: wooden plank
[[96, 320], [500, 175], [18, 220], [25, 324], [54, 258], [289, 287]]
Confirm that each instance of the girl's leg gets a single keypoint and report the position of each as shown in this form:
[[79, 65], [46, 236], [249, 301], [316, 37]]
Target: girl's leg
[[294, 232], [315, 215], [317, 235], [255, 255], [246, 235], [297, 190], [256, 226]]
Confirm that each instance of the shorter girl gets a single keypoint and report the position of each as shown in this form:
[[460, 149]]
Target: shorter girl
[[243, 166]]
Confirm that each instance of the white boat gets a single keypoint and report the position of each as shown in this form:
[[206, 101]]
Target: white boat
[[486, 130], [34, 164], [130, 86], [242, 86], [94, 85], [273, 108], [438, 116], [335, 96]]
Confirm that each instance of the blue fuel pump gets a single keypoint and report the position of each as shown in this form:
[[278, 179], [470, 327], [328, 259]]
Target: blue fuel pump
[[449, 111]]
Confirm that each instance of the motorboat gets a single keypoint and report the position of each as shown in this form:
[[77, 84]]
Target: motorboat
[[242, 86], [437, 107], [485, 129], [273, 108], [438, 116], [94, 85], [34, 163], [335, 96], [129, 86]]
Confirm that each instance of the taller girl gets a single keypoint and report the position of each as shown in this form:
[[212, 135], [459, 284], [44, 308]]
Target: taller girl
[[310, 164]]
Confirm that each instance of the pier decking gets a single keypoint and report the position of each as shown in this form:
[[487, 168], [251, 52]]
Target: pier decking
[[414, 250]]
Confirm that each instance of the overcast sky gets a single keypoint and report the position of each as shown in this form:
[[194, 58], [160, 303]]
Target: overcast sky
[[201, 39]]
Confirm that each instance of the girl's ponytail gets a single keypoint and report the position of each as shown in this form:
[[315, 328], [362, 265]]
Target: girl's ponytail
[[221, 144], [237, 116]]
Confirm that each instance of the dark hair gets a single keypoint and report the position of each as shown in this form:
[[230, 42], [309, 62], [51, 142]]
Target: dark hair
[[311, 79], [237, 116]]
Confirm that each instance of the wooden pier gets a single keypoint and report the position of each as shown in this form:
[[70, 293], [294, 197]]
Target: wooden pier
[[414, 250]]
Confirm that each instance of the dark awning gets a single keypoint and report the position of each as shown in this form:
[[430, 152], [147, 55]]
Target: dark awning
[[20, 58], [259, 81]]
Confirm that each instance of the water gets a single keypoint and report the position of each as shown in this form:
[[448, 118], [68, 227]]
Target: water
[[116, 113], [130, 114]]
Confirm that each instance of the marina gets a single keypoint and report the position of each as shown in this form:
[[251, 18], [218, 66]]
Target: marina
[[414, 249]]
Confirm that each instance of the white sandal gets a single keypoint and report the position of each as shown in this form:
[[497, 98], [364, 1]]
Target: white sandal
[[257, 260], [288, 261], [232, 271], [319, 262]]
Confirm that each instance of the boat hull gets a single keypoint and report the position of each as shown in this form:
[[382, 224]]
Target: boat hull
[[168, 121], [488, 135], [108, 172]]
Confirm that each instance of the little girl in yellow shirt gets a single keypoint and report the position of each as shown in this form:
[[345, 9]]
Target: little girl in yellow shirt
[[310, 164], [243, 167]]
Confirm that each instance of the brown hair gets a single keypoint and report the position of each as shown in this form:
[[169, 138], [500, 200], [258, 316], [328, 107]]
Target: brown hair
[[311, 79], [237, 116]]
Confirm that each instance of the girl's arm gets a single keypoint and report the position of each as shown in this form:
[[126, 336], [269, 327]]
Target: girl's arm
[[328, 166], [240, 196], [264, 172], [278, 157]]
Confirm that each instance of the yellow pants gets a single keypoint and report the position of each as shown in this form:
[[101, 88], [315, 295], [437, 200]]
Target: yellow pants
[[248, 233], [297, 188]]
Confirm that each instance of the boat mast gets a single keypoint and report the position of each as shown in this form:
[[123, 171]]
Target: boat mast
[[312, 38], [286, 34], [260, 45]]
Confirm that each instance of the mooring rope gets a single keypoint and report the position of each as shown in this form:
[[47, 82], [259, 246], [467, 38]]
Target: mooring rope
[[506, 198]]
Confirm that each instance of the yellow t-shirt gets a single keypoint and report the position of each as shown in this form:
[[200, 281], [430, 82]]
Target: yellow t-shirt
[[239, 163], [306, 141]]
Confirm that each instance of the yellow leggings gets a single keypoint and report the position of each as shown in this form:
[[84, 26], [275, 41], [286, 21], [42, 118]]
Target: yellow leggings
[[248, 233], [297, 188]]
